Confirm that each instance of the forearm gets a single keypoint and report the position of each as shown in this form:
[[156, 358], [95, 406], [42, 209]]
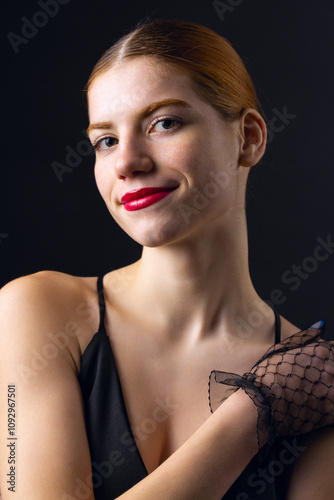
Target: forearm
[[208, 463]]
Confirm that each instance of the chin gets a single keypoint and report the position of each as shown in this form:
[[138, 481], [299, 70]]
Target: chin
[[152, 241], [154, 235]]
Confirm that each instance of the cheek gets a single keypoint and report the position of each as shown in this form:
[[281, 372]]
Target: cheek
[[204, 160], [189, 158], [213, 174]]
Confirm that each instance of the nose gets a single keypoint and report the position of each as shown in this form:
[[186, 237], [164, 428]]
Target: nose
[[132, 158]]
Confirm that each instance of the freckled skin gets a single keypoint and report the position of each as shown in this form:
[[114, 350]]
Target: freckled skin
[[189, 155]]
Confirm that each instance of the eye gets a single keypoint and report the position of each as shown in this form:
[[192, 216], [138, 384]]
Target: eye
[[163, 124], [105, 143]]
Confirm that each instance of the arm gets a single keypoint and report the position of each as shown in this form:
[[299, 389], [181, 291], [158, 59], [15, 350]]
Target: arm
[[51, 451], [53, 459], [209, 462]]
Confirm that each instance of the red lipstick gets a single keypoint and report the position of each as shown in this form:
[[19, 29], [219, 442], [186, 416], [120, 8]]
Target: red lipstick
[[142, 198]]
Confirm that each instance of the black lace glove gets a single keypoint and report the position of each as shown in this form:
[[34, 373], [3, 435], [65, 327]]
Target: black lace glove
[[291, 385]]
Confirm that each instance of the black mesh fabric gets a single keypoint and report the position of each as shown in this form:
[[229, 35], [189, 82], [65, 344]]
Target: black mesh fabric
[[291, 385]]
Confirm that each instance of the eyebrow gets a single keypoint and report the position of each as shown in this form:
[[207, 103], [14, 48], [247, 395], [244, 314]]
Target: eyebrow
[[143, 113]]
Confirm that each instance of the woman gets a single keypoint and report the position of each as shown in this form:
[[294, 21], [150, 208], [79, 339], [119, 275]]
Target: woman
[[112, 374]]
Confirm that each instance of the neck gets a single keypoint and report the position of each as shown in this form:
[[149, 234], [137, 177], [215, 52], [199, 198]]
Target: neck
[[200, 285]]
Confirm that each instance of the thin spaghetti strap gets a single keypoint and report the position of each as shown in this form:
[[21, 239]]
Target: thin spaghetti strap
[[277, 327], [102, 305]]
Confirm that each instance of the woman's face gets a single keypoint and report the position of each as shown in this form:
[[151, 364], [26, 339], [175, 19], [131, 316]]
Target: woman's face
[[152, 132]]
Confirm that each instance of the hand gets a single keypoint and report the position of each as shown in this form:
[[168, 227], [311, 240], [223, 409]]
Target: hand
[[291, 385]]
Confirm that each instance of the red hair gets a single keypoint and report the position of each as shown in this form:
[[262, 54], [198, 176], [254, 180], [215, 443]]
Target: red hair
[[217, 72]]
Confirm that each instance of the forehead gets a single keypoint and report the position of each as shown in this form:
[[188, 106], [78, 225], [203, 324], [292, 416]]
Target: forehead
[[134, 83]]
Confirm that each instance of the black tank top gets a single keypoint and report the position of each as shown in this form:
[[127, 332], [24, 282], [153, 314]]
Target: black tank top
[[116, 461]]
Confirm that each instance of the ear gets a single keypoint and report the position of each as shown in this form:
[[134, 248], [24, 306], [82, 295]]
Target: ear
[[253, 133]]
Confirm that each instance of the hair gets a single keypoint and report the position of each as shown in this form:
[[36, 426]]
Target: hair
[[216, 71]]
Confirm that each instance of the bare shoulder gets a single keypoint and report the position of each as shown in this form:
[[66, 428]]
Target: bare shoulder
[[49, 282], [287, 328], [49, 307], [312, 474]]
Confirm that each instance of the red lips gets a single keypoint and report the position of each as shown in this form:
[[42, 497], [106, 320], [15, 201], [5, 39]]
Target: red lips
[[140, 193], [142, 198]]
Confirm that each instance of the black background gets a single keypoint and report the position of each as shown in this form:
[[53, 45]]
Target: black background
[[47, 224]]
